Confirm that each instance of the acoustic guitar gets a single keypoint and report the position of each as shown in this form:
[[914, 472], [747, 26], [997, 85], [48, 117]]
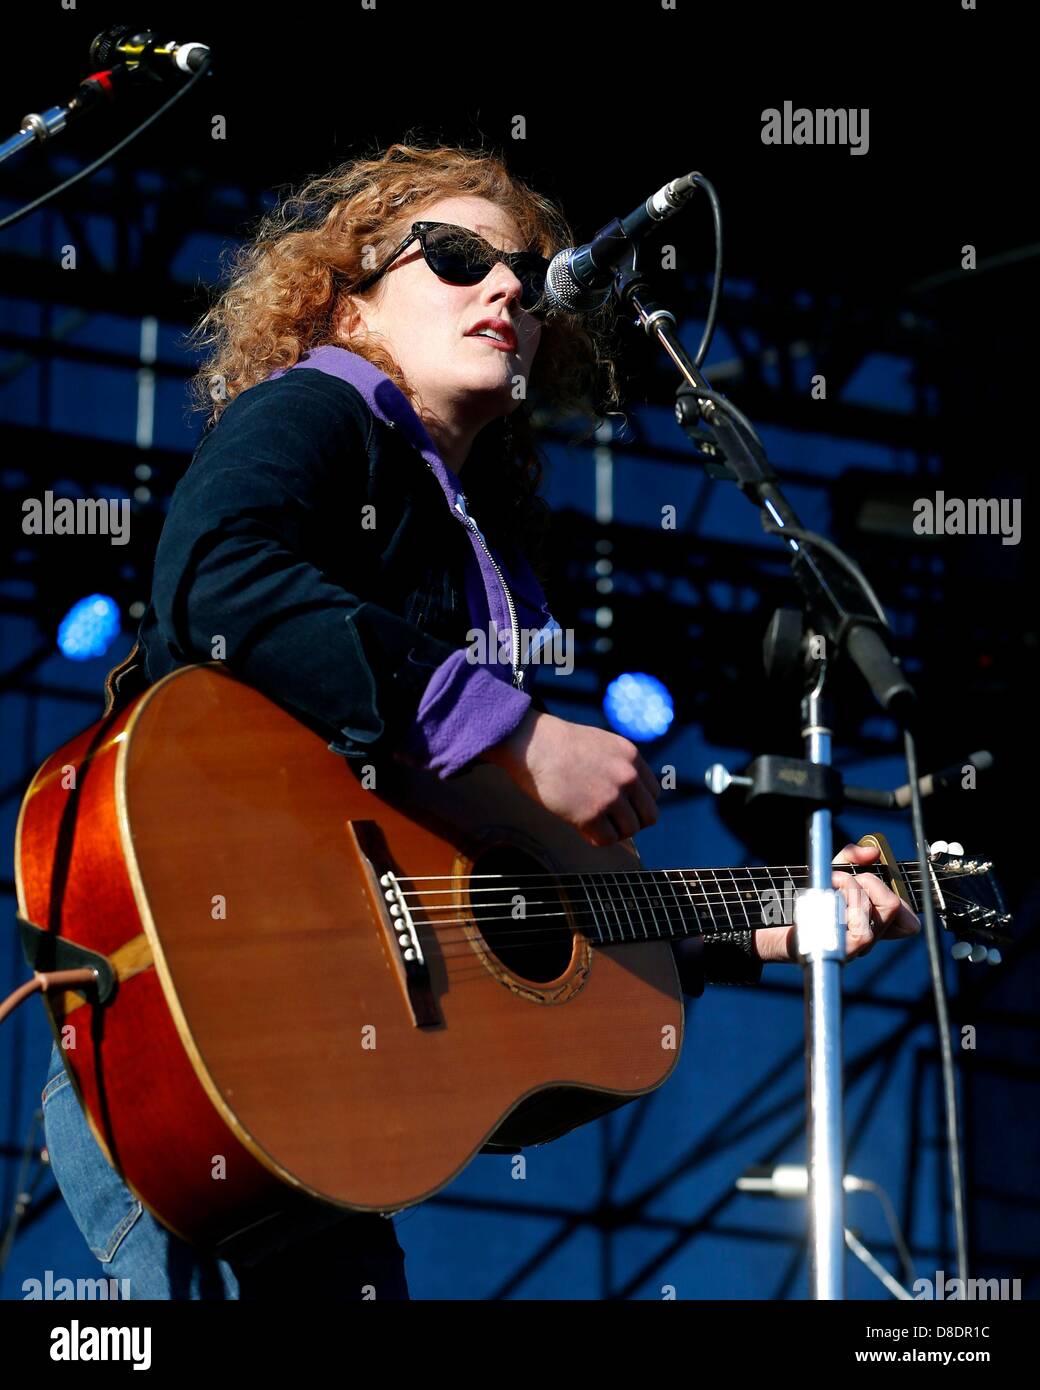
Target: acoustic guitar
[[349, 981]]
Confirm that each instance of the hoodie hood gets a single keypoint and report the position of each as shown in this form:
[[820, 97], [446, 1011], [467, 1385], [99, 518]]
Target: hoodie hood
[[486, 597]]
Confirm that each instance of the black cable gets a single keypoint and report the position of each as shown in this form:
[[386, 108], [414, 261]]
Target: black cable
[[727, 405], [716, 289], [110, 154], [838, 555], [941, 1016]]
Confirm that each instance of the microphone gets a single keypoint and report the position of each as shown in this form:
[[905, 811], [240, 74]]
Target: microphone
[[578, 278], [121, 43]]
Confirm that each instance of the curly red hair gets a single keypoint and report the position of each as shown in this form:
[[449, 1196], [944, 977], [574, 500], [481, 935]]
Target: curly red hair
[[287, 282]]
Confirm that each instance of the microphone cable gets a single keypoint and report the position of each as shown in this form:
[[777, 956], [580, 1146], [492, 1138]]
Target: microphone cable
[[109, 154]]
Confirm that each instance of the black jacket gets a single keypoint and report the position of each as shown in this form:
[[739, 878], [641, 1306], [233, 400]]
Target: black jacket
[[263, 563]]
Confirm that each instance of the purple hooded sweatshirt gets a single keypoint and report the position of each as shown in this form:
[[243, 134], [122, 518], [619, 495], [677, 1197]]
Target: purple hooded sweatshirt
[[466, 708]]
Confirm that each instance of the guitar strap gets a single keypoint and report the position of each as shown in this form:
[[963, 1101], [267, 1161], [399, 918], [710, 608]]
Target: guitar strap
[[125, 681]]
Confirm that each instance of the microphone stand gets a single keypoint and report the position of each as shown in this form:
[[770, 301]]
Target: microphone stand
[[841, 614], [141, 59], [92, 92]]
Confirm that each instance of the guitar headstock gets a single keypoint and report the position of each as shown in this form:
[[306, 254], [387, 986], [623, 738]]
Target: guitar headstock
[[968, 899]]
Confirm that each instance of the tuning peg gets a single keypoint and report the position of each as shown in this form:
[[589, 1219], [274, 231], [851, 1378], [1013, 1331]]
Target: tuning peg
[[955, 847], [994, 957], [938, 847], [961, 950]]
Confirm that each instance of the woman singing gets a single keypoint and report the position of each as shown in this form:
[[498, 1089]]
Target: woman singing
[[363, 499]]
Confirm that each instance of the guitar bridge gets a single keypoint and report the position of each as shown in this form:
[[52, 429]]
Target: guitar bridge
[[390, 904]]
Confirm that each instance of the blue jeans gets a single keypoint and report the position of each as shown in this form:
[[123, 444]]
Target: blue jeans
[[320, 1252]]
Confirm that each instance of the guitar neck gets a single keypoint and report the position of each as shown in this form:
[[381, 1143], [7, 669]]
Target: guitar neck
[[668, 904]]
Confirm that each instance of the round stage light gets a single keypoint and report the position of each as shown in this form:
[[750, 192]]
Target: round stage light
[[89, 628], [638, 706]]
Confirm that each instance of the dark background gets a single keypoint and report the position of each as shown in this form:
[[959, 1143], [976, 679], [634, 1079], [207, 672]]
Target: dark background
[[837, 263]]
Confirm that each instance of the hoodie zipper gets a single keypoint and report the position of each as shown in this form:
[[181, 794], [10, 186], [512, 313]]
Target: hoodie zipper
[[461, 506]]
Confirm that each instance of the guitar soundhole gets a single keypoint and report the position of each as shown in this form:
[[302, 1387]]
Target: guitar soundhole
[[521, 917]]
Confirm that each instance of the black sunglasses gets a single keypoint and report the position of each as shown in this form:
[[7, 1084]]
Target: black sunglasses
[[461, 257]]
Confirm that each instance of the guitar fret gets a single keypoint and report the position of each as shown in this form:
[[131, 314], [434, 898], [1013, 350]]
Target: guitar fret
[[612, 898], [646, 882], [638, 908], [678, 928], [679, 905], [722, 899], [915, 903], [784, 898], [591, 878], [584, 881], [767, 918], [790, 879], [620, 894], [705, 900], [742, 895]]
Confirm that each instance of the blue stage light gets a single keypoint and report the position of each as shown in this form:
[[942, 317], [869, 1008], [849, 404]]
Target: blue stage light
[[638, 706], [89, 628]]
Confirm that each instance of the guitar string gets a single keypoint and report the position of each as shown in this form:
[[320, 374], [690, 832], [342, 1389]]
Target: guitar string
[[717, 893], [729, 893], [793, 870], [437, 925], [650, 890], [666, 893], [635, 882], [643, 899], [546, 930], [523, 935], [539, 935], [543, 936], [651, 875], [668, 905]]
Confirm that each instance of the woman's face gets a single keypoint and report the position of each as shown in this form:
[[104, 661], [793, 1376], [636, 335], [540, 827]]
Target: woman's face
[[463, 382]]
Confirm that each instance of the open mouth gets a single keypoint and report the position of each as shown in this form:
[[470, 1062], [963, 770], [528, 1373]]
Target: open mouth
[[498, 332], [493, 342]]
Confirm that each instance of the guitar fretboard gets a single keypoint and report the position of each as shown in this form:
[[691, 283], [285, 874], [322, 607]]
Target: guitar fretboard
[[667, 904]]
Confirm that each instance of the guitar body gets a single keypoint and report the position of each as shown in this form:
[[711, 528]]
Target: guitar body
[[267, 1033]]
